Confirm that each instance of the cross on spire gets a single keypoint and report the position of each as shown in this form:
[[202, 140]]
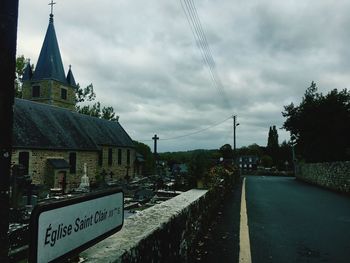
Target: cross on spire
[[51, 4]]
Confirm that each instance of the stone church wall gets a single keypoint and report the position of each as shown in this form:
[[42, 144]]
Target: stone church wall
[[38, 165], [50, 93], [56, 95], [117, 170]]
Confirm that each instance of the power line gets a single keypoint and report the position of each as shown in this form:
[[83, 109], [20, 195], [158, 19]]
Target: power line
[[191, 133], [189, 8], [196, 27]]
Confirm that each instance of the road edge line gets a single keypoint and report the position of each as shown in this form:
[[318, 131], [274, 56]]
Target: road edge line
[[244, 241]]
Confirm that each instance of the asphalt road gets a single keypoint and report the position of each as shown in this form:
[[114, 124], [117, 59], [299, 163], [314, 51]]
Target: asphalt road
[[290, 221]]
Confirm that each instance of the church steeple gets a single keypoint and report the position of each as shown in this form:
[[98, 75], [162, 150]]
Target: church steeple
[[70, 77], [28, 73], [49, 83], [50, 64]]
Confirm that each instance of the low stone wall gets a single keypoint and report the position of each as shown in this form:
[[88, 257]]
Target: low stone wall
[[163, 233], [335, 176]]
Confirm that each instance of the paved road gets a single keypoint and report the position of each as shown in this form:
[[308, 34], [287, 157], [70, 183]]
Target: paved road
[[290, 221]]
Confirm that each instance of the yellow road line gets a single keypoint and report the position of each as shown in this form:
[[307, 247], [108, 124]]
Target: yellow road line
[[244, 242]]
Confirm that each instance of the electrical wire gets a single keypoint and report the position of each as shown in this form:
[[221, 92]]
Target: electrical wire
[[191, 133], [196, 27], [191, 14]]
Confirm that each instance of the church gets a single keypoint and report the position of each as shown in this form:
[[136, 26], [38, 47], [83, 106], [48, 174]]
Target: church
[[51, 140]]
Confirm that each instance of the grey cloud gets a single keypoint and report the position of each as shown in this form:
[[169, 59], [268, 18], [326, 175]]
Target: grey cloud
[[143, 61]]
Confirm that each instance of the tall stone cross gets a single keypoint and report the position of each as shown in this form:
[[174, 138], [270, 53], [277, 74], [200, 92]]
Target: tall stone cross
[[51, 4], [155, 138]]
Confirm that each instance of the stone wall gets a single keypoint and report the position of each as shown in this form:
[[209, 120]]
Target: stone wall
[[335, 176], [165, 232], [38, 165], [50, 93], [117, 170]]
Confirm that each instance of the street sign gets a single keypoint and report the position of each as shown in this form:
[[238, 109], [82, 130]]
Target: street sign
[[62, 229]]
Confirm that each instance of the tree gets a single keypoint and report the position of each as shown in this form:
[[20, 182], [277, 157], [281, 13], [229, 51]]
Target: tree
[[93, 110], [109, 114], [285, 159], [145, 151], [199, 166], [272, 148], [272, 141], [86, 94], [266, 161], [321, 125], [21, 63], [253, 149], [226, 151]]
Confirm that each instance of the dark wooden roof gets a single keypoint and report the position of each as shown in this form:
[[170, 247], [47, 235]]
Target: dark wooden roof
[[42, 126]]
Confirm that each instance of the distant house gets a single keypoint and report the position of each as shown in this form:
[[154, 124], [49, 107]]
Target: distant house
[[248, 162], [53, 141]]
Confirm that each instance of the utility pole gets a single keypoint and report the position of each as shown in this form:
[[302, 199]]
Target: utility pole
[[8, 36], [293, 143], [235, 124]]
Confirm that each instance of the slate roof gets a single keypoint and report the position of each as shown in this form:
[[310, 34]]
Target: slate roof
[[28, 73], [70, 77], [59, 163], [42, 126], [49, 65]]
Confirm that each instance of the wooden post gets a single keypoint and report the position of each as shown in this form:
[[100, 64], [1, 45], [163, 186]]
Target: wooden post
[[8, 36]]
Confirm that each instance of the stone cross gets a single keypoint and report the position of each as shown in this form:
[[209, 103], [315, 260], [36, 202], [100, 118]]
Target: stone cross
[[155, 138], [51, 4]]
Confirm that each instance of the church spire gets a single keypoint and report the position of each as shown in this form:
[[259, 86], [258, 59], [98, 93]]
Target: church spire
[[70, 77], [49, 84], [49, 65], [28, 73]]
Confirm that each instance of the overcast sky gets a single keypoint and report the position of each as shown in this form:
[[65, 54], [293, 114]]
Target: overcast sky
[[143, 60]]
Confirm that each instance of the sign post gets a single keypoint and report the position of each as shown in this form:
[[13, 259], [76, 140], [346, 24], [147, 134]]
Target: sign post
[[62, 229]]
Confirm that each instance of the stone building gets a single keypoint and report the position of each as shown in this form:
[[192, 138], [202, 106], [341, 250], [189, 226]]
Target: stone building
[[51, 140]]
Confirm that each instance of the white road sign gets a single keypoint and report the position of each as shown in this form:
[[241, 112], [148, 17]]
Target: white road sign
[[65, 228]]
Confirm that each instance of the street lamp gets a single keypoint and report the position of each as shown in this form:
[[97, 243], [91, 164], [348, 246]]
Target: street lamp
[[293, 143], [234, 137]]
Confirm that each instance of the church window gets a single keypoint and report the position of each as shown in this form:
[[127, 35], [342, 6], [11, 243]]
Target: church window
[[35, 91], [128, 157], [23, 159], [119, 156], [63, 94], [73, 162], [110, 156]]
